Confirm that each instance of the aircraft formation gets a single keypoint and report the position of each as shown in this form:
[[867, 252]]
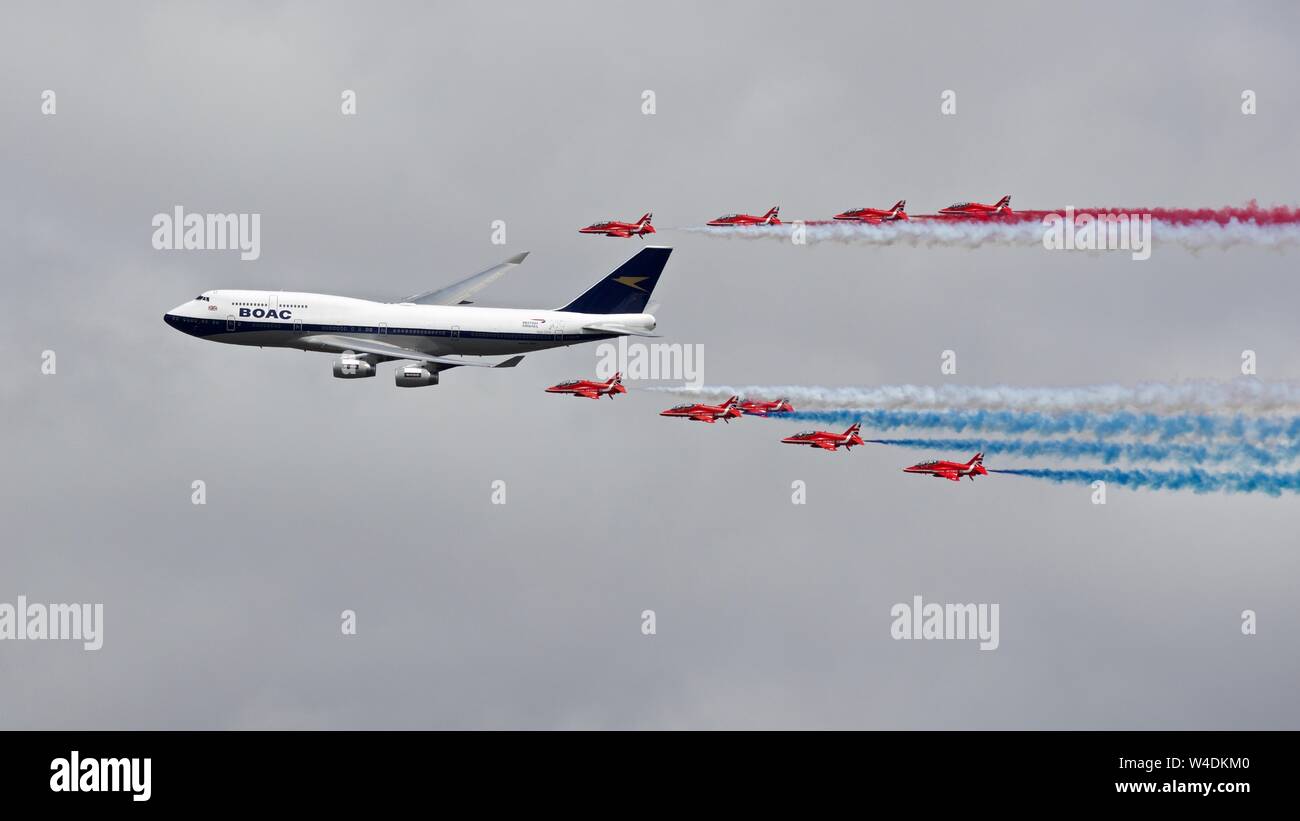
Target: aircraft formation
[[735, 408], [436, 330], [999, 210]]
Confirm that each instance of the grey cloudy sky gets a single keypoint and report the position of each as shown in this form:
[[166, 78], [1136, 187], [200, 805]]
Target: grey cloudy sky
[[325, 495]]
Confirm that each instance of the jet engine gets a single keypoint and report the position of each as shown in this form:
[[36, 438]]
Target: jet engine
[[353, 368], [414, 376]]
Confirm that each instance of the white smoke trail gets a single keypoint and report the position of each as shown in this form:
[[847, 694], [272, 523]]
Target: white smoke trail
[[973, 234], [1247, 396], [1198, 236], [959, 234]]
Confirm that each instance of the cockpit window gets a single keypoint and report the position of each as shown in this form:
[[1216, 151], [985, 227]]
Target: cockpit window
[[202, 298]]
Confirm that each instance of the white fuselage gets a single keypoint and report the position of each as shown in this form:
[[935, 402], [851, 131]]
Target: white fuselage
[[286, 319]]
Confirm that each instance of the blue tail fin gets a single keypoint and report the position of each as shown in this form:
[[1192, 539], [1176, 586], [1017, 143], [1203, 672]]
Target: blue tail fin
[[627, 290]]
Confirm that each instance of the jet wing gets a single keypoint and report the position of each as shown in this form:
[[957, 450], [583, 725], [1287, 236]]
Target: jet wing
[[459, 293], [826, 446], [345, 344]]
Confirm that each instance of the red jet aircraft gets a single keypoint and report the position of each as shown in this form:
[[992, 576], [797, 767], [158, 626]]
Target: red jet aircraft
[[613, 228], [590, 390], [757, 407], [826, 440], [875, 215], [706, 413], [951, 470], [748, 219], [978, 210]]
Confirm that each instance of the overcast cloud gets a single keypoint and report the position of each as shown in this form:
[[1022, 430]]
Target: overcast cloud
[[326, 495]]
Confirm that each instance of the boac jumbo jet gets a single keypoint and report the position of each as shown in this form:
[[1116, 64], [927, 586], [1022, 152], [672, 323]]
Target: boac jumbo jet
[[433, 329]]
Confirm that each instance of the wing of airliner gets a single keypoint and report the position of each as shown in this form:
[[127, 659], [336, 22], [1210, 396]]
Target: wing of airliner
[[459, 293], [350, 344]]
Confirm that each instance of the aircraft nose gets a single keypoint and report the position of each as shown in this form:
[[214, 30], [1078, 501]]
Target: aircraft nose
[[173, 317]]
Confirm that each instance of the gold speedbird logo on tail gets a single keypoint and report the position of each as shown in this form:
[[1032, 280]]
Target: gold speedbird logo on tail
[[631, 282]]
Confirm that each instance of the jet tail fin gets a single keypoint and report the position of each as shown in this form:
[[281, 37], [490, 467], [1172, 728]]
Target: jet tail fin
[[1005, 202], [772, 214], [627, 289]]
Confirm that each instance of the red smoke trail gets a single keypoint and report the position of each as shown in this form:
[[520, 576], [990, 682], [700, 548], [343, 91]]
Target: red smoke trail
[[1251, 212]]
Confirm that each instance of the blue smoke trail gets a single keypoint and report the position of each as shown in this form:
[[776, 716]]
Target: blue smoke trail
[[1110, 452], [1197, 481], [1102, 425]]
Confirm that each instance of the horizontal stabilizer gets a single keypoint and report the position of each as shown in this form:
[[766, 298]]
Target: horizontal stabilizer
[[615, 328]]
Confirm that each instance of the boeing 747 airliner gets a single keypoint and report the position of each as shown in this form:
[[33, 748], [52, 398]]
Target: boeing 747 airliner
[[433, 329]]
